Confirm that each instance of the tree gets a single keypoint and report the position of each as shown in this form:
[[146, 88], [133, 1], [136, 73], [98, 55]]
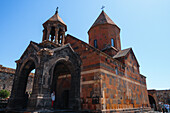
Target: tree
[[4, 93]]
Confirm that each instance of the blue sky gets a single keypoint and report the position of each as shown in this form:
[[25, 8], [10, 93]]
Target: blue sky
[[144, 24]]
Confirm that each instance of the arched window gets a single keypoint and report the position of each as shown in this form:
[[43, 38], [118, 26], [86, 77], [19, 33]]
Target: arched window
[[116, 71], [112, 42], [95, 43]]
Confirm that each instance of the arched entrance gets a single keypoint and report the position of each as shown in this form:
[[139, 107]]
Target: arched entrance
[[55, 70], [19, 96], [63, 84], [23, 80], [152, 102]]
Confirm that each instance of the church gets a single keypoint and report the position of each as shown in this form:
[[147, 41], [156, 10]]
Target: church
[[97, 76]]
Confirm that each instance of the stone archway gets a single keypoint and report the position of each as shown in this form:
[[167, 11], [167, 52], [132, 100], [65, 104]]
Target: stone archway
[[62, 83], [50, 62], [65, 81], [19, 96], [152, 102]]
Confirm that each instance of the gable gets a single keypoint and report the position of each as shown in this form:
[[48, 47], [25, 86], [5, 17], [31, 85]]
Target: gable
[[125, 53], [131, 63], [30, 50], [133, 57]]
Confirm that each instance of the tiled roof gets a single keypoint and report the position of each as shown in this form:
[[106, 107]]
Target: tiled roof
[[103, 19], [122, 53], [56, 17]]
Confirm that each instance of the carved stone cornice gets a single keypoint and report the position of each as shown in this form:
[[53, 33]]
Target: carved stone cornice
[[45, 51]]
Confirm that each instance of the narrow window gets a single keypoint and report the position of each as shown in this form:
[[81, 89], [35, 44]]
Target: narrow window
[[133, 69], [132, 56], [116, 71], [112, 42], [95, 43]]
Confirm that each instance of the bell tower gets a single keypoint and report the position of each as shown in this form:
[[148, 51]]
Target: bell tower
[[54, 29]]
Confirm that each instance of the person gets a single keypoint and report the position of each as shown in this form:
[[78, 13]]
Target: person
[[153, 106], [162, 107], [52, 98], [167, 107]]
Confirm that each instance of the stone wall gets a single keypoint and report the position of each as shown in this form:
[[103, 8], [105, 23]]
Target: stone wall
[[159, 96], [7, 76], [163, 96]]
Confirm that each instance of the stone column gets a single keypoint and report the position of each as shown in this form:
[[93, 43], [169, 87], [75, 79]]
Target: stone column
[[14, 100], [44, 35], [63, 37], [48, 32], [56, 34], [39, 99]]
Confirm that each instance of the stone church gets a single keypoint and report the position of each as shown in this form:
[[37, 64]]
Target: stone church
[[97, 76]]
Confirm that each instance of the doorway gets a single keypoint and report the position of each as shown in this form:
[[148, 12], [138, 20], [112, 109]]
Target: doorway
[[61, 84], [152, 102]]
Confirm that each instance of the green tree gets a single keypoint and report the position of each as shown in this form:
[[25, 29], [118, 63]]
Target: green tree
[[4, 93]]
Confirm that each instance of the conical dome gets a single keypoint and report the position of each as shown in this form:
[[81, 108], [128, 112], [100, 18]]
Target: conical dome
[[56, 18], [103, 19]]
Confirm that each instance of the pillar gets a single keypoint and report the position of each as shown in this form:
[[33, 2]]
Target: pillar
[[48, 32], [63, 37], [40, 97], [56, 34], [44, 35]]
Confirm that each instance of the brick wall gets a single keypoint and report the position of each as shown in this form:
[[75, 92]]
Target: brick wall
[[120, 90], [103, 34], [104, 85]]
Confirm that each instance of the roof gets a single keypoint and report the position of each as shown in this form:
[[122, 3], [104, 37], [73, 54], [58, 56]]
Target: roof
[[56, 18], [109, 47], [122, 53], [103, 19]]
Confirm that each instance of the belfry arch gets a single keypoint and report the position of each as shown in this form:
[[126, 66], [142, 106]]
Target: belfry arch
[[54, 29]]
